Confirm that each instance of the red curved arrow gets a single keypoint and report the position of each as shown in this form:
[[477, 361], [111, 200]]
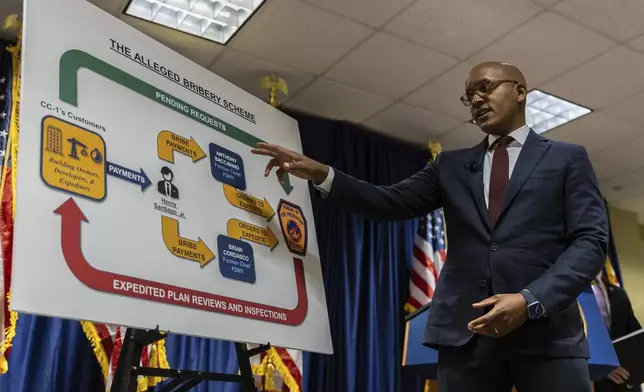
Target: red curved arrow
[[71, 217]]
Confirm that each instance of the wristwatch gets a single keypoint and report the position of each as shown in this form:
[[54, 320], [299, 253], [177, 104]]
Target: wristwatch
[[536, 310]]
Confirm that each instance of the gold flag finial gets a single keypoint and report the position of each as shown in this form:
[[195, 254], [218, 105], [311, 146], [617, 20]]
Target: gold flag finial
[[14, 22], [435, 148], [274, 84]]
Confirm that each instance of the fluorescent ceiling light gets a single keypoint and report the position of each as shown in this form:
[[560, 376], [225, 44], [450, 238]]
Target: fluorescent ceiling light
[[545, 112], [215, 20]]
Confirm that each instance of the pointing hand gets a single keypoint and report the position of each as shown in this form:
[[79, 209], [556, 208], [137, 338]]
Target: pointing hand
[[288, 161]]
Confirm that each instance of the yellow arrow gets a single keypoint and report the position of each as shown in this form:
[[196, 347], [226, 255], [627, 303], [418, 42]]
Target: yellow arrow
[[242, 230], [249, 203], [183, 247], [168, 142]]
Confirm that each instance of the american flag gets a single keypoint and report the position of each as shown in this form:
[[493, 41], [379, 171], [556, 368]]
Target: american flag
[[277, 370], [7, 109], [5, 99], [427, 260]]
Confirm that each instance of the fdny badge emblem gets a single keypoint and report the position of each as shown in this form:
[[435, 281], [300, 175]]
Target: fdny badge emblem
[[293, 226]]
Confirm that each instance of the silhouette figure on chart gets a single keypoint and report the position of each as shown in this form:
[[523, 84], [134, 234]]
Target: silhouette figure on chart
[[165, 186]]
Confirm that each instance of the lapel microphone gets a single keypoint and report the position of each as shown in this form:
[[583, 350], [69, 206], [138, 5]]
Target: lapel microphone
[[473, 167]]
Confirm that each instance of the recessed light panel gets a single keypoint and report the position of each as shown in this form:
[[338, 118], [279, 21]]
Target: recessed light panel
[[545, 112], [215, 20]]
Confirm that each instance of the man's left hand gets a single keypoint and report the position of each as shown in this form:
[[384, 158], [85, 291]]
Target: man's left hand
[[509, 312], [619, 375]]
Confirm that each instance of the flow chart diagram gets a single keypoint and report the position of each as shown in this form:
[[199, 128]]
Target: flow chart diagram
[[74, 160], [138, 185]]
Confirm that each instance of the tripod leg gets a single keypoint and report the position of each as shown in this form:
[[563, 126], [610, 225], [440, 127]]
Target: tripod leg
[[244, 368]]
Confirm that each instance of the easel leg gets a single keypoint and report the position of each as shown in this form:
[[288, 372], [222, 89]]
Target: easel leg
[[128, 368], [124, 380], [244, 368]]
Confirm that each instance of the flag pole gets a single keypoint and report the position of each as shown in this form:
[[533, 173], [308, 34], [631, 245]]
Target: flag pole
[[435, 149]]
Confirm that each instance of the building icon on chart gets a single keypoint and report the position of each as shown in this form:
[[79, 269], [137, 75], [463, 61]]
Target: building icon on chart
[[55, 140]]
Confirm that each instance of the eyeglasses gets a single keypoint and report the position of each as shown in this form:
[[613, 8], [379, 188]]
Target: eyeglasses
[[483, 89]]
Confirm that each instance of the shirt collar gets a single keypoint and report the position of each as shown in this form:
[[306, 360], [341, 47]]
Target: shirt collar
[[519, 135]]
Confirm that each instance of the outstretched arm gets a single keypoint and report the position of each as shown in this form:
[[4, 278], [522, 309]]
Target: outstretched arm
[[411, 197], [407, 199]]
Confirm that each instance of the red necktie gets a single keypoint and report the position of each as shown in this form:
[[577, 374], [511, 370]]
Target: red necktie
[[499, 177]]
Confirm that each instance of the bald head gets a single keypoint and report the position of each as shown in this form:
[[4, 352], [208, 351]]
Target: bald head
[[501, 70], [496, 93]]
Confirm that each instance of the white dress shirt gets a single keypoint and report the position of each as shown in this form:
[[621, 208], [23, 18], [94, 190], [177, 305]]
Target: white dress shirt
[[514, 148], [520, 135]]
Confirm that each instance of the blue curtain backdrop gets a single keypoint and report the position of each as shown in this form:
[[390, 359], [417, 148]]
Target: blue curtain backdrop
[[365, 272], [364, 263], [51, 355]]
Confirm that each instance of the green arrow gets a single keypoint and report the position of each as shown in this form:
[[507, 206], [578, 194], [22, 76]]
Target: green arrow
[[72, 60]]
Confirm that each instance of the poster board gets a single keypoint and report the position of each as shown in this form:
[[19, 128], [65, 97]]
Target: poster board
[[139, 202]]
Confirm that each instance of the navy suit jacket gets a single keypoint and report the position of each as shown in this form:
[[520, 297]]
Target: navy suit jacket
[[551, 238]]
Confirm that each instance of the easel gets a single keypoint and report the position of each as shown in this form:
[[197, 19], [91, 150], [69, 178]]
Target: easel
[[128, 369]]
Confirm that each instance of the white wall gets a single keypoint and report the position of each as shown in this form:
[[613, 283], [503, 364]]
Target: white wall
[[628, 235]]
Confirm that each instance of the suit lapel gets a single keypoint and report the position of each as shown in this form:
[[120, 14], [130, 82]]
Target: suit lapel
[[474, 174], [531, 153]]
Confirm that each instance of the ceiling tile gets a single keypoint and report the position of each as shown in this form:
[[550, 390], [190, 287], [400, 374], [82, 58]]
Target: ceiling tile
[[629, 109], [621, 20], [465, 136], [624, 186], [460, 27], [610, 77], [545, 47], [638, 43], [626, 156], [372, 12], [595, 131], [442, 94], [337, 101], [389, 66], [246, 72], [603, 170], [410, 123], [545, 3], [114, 7], [299, 35], [199, 50]]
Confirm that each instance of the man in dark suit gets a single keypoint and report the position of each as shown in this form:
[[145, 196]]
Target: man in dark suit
[[527, 231], [620, 320]]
